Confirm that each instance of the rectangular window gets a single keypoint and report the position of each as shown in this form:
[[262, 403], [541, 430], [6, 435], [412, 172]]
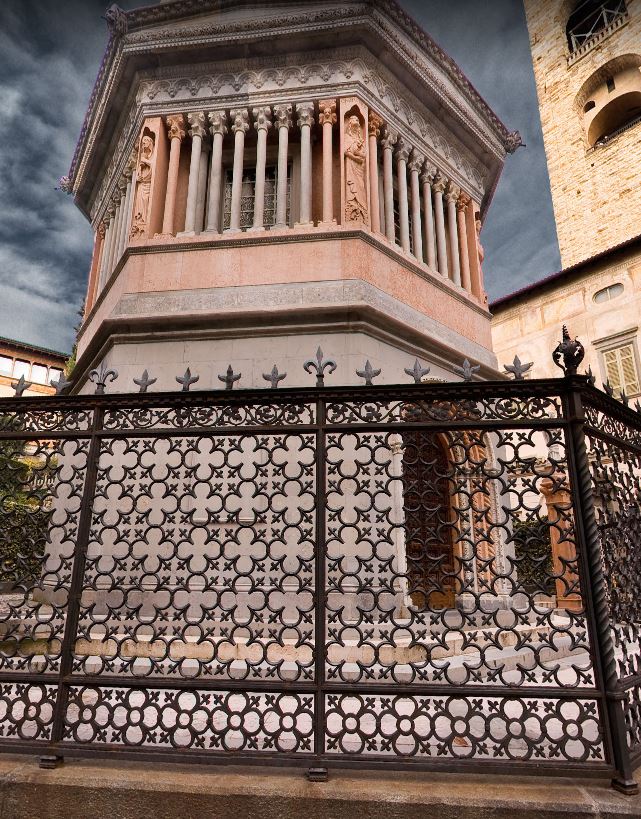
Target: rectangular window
[[22, 368], [6, 365], [621, 369], [247, 197], [39, 374]]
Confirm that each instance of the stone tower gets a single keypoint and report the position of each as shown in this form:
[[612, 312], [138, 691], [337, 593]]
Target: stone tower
[[265, 179], [587, 60]]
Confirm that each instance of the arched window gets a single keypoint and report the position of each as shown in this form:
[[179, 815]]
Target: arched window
[[429, 528], [617, 115], [589, 17]]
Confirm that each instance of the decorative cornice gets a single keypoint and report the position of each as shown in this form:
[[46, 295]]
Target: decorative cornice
[[384, 15]]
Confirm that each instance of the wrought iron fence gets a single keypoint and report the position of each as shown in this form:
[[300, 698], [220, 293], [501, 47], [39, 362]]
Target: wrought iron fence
[[435, 575]]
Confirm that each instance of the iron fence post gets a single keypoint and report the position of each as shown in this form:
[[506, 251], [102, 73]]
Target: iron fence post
[[594, 590], [54, 757]]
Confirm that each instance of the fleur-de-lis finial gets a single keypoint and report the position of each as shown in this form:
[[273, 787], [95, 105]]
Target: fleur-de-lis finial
[[20, 386], [229, 378], [608, 389], [571, 351], [517, 368], [144, 382], [101, 377], [624, 397], [591, 377], [61, 384], [467, 370], [319, 365], [417, 371], [368, 373], [637, 407], [187, 380], [274, 377]]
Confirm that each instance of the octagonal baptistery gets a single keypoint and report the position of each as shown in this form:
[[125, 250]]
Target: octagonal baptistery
[[267, 178]]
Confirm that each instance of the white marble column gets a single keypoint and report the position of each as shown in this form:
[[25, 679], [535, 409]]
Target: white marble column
[[388, 142], [123, 185], [283, 115], [305, 111], [104, 258], [130, 176], [415, 165], [197, 131], [374, 123], [438, 186], [239, 127], [218, 129], [176, 134], [201, 199], [262, 124], [402, 153], [427, 177], [462, 205], [327, 118], [451, 197], [113, 240]]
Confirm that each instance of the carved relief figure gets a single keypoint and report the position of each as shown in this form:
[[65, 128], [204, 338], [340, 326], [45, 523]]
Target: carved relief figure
[[355, 189], [143, 186]]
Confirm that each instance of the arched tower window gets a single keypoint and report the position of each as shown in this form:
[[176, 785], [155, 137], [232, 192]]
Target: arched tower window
[[609, 101], [589, 18]]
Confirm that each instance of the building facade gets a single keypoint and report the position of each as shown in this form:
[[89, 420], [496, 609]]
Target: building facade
[[37, 365], [265, 181], [587, 60]]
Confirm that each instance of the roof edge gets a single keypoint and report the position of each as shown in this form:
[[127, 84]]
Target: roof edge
[[120, 22], [564, 273]]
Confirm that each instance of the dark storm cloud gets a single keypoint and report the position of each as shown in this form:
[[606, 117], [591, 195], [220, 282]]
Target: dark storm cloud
[[49, 56]]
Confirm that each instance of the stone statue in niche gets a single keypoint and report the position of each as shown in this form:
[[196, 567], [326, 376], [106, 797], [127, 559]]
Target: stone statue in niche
[[143, 186], [355, 184]]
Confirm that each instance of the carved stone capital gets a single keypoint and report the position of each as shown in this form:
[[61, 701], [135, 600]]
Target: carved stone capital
[[122, 186], [218, 122], [197, 124], [402, 150], [463, 201], [327, 112], [452, 193], [109, 213], [240, 119], [176, 126], [374, 124], [131, 165], [305, 111], [262, 118], [390, 138], [439, 183], [102, 229], [416, 161], [428, 174], [283, 115]]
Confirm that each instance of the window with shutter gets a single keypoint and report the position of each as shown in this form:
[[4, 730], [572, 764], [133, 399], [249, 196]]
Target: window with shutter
[[621, 369]]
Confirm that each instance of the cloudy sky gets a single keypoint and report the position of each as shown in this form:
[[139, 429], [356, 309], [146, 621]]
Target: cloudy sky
[[49, 56]]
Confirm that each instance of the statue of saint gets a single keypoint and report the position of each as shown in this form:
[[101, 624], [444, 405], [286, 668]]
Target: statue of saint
[[355, 189], [143, 186]]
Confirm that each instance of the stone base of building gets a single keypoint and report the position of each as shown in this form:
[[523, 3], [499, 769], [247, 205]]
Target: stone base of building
[[81, 789]]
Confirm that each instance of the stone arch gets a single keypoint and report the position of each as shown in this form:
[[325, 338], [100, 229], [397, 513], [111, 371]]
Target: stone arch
[[610, 97]]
